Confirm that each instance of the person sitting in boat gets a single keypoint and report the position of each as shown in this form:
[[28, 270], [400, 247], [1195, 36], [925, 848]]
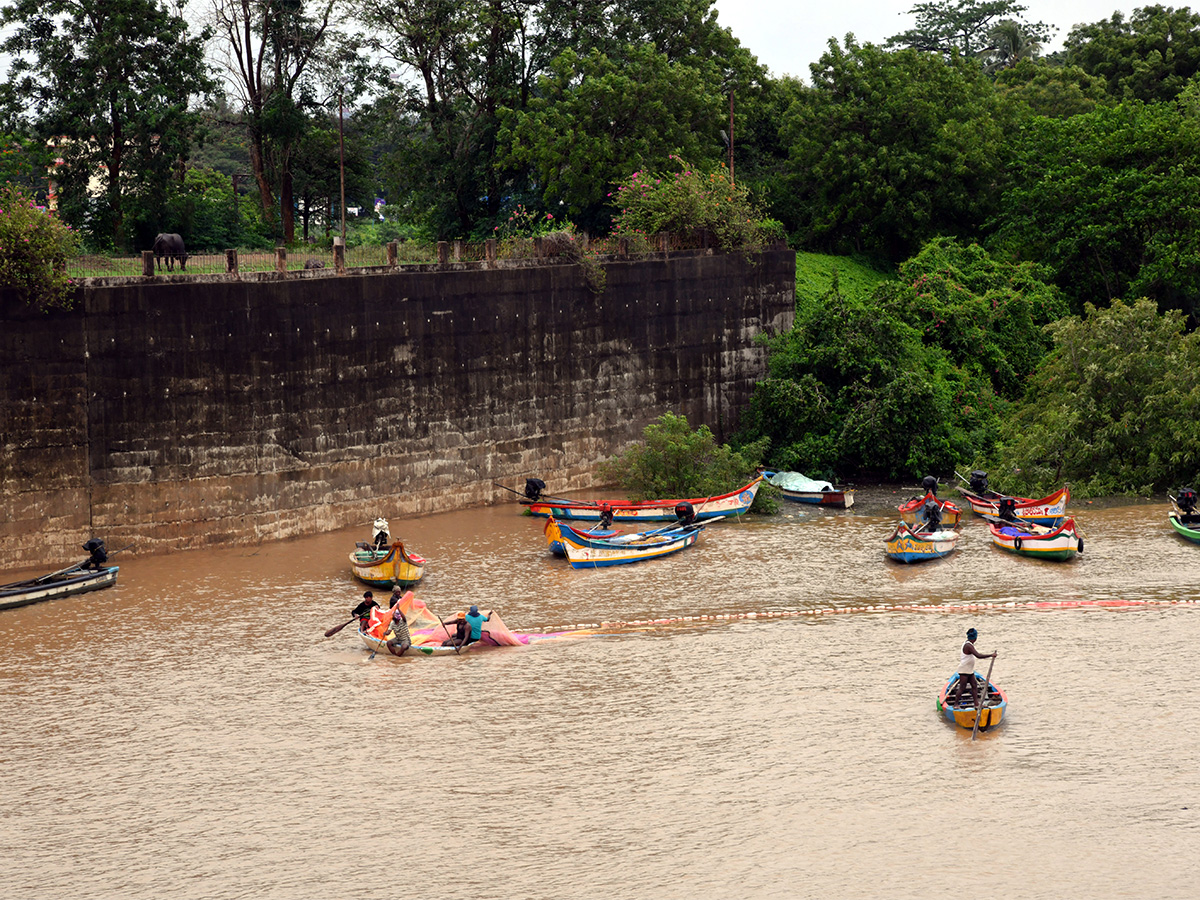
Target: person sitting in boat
[[382, 538], [460, 631], [363, 610], [475, 620], [966, 669], [401, 639], [99, 556]]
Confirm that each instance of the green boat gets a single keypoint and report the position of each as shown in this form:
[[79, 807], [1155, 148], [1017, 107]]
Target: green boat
[[1190, 531], [1183, 515]]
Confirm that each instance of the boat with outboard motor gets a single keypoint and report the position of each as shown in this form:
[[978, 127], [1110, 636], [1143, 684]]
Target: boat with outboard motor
[[588, 552], [916, 511], [386, 563], [1049, 510], [1183, 515], [92, 574], [735, 503]]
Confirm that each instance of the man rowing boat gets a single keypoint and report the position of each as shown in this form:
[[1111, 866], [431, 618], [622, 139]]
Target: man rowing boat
[[966, 669]]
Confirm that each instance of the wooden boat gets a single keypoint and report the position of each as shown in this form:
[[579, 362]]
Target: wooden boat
[[735, 503], [907, 545], [1183, 516], [429, 633], [822, 493], [912, 511], [994, 706], [597, 531], [1057, 543], [75, 580], [391, 567], [590, 553], [1048, 511]]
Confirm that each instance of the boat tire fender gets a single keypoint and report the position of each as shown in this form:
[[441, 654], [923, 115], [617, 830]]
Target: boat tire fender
[[1080, 544], [1017, 542]]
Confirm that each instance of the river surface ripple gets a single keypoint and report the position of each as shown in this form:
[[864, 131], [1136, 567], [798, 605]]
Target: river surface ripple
[[191, 734]]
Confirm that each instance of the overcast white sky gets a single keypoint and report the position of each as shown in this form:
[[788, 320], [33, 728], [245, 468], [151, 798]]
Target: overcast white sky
[[788, 35]]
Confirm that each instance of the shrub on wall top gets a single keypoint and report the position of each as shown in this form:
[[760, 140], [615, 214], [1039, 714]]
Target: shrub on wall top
[[34, 248]]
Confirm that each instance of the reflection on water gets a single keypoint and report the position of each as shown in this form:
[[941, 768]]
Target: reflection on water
[[190, 733]]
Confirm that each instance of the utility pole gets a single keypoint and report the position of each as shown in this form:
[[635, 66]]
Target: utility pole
[[342, 160], [731, 137]]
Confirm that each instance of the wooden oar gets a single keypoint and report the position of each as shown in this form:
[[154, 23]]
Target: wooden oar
[[447, 630], [336, 628], [983, 700]]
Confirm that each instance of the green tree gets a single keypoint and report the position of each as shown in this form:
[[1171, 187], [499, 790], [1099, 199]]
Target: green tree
[[889, 149], [1151, 56], [34, 249], [674, 461], [1113, 409], [1054, 91], [593, 120], [111, 82], [966, 27], [1009, 43], [1100, 198]]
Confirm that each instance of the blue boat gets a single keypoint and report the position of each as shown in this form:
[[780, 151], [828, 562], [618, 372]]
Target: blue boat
[[907, 545], [584, 552]]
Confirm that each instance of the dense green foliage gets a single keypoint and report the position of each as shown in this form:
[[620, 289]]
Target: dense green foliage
[[674, 461], [1151, 56], [34, 247], [1115, 408], [909, 380]]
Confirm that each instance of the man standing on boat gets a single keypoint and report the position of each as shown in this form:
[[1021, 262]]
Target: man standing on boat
[[475, 621], [401, 639], [966, 668]]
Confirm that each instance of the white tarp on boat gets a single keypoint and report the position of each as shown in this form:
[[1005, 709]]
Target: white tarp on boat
[[795, 481]]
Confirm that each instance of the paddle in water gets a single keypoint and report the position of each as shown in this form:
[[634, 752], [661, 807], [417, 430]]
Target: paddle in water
[[983, 698]]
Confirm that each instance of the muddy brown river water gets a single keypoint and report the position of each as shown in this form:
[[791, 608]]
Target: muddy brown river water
[[191, 734]]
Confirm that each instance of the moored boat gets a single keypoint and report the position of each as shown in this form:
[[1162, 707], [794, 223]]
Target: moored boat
[[908, 545], [735, 503], [798, 488], [584, 552], [1057, 543], [1183, 516], [916, 511], [392, 566], [597, 531], [994, 705], [90, 575], [1049, 510]]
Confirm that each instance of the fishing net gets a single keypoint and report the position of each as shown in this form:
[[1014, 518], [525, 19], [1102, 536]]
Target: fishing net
[[426, 627], [795, 481]]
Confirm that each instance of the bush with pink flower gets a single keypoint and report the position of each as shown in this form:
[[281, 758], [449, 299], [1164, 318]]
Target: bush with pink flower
[[34, 248]]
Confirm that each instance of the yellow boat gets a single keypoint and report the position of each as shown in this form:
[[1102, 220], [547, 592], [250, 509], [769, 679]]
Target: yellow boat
[[390, 567]]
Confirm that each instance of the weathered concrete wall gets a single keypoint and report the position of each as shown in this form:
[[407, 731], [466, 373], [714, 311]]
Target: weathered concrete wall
[[171, 413]]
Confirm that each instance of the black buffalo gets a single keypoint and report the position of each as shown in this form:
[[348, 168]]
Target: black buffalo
[[170, 246]]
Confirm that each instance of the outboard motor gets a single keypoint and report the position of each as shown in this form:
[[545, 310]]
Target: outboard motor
[[534, 488], [1008, 509], [1186, 501], [606, 515], [685, 512], [978, 482], [929, 485], [933, 515], [382, 539], [99, 556]]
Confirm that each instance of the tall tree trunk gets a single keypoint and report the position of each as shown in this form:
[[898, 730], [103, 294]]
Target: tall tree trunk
[[285, 201], [260, 175]]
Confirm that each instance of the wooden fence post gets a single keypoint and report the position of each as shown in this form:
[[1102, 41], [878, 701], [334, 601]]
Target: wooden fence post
[[622, 247], [231, 262], [339, 255], [281, 260], [539, 249], [458, 251], [393, 254], [148, 263], [664, 241], [490, 251], [443, 253]]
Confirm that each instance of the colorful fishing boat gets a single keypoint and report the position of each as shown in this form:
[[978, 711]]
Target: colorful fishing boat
[[75, 580], [735, 503], [908, 545], [1058, 543], [1045, 511], [590, 553], [392, 566], [597, 531], [1183, 516], [994, 705], [914, 511], [431, 637], [799, 488]]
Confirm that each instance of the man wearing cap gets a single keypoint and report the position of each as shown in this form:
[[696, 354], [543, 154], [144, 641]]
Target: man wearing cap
[[401, 639], [475, 621], [460, 631], [966, 668]]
